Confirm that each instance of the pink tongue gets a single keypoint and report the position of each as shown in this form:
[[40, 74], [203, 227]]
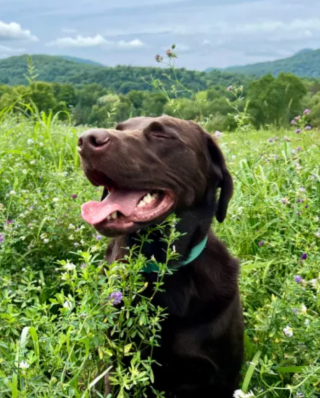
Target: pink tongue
[[122, 200]]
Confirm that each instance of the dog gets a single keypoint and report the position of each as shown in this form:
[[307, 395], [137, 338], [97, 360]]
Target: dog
[[150, 168]]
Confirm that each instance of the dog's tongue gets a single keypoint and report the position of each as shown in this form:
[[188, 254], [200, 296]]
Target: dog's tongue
[[122, 200]]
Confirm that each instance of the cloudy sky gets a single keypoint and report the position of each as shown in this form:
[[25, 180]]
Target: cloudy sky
[[208, 33]]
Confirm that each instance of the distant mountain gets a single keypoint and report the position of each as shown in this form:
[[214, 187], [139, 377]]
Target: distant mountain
[[120, 79], [80, 60], [306, 63]]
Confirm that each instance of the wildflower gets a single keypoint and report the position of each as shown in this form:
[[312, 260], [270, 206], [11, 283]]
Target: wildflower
[[218, 134], [304, 256], [173, 248], [298, 131], [297, 118], [70, 267], [271, 140], [261, 243], [299, 200], [46, 240], [299, 149], [55, 199], [158, 58], [1, 238], [317, 234], [288, 331], [30, 141], [71, 226], [67, 304], [241, 394], [285, 201], [306, 206], [287, 139], [306, 112], [303, 309], [298, 278], [74, 196], [116, 298], [82, 266], [23, 365], [293, 122], [33, 162], [230, 88], [295, 311], [13, 192], [307, 128], [293, 151], [299, 213], [298, 166], [98, 237], [9, 222], [301, 189], [171, 54]]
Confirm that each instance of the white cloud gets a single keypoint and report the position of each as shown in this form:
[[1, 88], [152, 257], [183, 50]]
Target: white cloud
[[98, 40], [13, 31], [12, 50]]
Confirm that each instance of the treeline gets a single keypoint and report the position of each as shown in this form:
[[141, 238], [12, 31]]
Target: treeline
[[267, 101]]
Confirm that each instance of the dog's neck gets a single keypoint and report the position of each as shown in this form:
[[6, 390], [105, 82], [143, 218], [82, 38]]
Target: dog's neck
[[194, 225]]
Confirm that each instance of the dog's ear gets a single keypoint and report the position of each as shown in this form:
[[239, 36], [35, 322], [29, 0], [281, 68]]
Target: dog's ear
[[225, 183]]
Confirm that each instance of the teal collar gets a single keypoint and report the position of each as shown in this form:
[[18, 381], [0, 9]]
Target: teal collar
[[195, 252]]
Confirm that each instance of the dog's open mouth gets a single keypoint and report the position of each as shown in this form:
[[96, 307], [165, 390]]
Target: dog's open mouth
[[122, 208]]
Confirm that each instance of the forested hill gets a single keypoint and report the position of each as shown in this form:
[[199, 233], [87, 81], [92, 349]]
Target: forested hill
[[120, 79], [306, 63]]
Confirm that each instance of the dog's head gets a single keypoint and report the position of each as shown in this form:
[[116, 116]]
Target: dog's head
[[150, 167]]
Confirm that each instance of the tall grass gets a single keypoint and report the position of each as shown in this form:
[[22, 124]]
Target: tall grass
[[55, 341]]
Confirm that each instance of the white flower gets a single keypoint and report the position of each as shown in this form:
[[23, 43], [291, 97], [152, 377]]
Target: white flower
[[46, 240], [302, 189], [317, 234], [33, 162], [68, 305], [303, 309], [70, 267], [30, 141], [41, 144], [13, 192], [218, 134], [55, 199], [25, 171], [288, 331], [307, 322], [241, 394], [23, 365], [174, 248], [71, 226]]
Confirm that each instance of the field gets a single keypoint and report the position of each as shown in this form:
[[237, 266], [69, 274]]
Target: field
[[54, 337]]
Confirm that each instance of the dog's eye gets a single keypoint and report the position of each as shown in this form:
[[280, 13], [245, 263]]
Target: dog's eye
[[161, 135]]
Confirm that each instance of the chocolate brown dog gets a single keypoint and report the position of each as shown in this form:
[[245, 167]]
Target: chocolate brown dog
[[149, 168]]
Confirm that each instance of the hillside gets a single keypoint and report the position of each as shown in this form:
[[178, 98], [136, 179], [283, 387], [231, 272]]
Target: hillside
[[80, 60], [305, 63], [121, 79]]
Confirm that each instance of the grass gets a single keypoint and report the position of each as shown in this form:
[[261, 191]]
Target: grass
[[55, 341]]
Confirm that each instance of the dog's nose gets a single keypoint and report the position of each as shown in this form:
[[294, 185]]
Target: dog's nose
[[93, 140]]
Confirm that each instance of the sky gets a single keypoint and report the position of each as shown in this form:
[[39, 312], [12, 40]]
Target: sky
[[207, 33]]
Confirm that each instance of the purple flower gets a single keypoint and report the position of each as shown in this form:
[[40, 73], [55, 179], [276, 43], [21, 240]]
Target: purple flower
[[306, 206], [158, 58], [74, 196], [299, 149], [1, 238], [298, 278], [299, 200], [271, 140], [288, 331], [98, 237], [308, 128], [82, 266], [9, 222], [261, 243], [116, 298], [297, 118], [298, 131], [304, 256], [306, 112], [293, 122], [230, 88]]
